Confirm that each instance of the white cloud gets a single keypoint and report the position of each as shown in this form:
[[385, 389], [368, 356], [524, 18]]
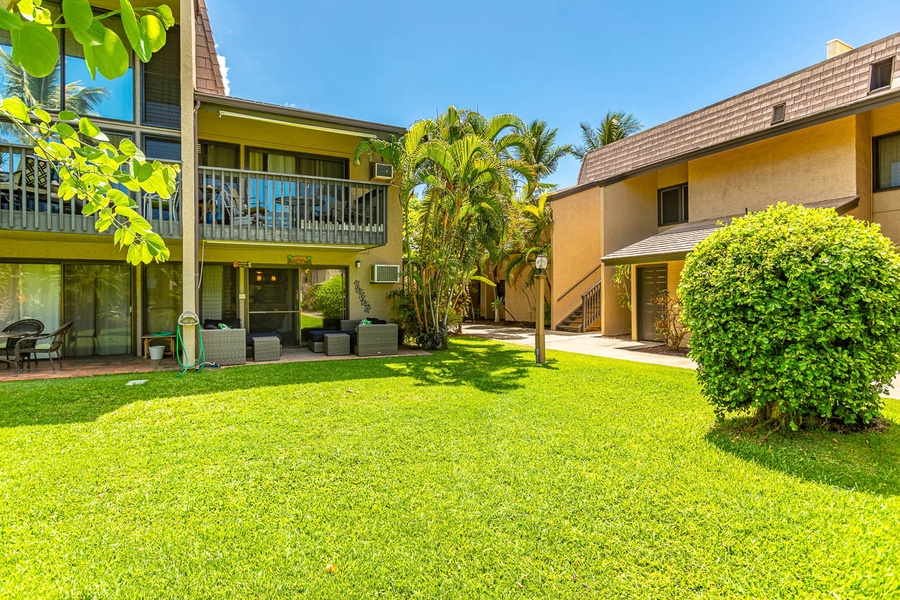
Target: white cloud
[[224, 69]]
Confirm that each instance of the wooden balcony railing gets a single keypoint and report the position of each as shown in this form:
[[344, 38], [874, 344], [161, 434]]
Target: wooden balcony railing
[[252, 206], [29, 202]]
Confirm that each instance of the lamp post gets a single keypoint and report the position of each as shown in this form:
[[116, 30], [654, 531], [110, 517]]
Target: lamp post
[[540, 263]]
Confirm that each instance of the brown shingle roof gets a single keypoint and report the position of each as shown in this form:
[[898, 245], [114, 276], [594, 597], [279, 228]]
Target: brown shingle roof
[[209, 75], [676, 242], [832, 84]]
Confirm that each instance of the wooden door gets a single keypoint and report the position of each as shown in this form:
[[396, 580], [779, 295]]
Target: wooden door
[[651, 281]]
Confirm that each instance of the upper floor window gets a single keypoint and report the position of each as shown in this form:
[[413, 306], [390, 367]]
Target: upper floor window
[[882, 72], [887, 162], [221, 155], [673, 205], [296, 164], [69, 86], [161, 99]]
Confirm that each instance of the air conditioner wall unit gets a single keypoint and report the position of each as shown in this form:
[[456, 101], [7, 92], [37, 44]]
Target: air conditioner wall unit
[[382, 171], [385, 273]]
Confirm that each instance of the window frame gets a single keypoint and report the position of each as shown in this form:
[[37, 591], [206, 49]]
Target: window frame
[[345, 162], [875, 161], [874, 78], [683, 208]]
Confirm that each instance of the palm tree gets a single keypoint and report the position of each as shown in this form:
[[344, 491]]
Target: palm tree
[[45, 91], [615, 126]]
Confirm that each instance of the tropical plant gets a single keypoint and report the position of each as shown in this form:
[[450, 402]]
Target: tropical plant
[[86, 164], [794, 313], [622, 280], [614, 126], [464, 166], [45, 91], [668, 324]]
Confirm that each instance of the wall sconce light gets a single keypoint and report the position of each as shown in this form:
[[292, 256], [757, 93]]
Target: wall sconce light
[[259, 276], [358, 264], [274, 278]]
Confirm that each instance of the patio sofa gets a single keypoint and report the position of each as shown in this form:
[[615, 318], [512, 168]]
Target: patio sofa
[[376, 339]]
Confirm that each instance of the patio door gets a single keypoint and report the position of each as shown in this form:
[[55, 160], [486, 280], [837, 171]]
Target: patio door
[[97, 299], [274, 303]]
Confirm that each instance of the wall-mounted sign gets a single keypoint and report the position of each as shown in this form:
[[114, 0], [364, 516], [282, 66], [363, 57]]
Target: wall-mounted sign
[[299, 260], [237, 264]]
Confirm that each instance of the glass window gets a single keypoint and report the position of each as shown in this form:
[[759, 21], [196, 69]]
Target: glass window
[[14, 81], [673, 205], [162, 85], [881, 74], [323, 167], [30, 291], [223, 156], [887, 162], [162, 148], [98, 302], [218, 292], [101, 97], [163, 290]]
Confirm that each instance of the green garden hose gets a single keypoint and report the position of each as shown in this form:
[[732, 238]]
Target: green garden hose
[[188, 319]]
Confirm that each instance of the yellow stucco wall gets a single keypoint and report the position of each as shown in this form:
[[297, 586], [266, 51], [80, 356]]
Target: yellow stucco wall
[[886, 205], [575, 251], [817, 163], [629, 215]]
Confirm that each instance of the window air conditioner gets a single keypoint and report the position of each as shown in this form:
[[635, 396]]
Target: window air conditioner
[[385, 273], [382, 171]]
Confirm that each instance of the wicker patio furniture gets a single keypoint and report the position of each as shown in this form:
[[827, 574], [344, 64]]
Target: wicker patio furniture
[[32, 346], [225, 346], [266, 348], [376, 340], [28, 326], [337, 344]]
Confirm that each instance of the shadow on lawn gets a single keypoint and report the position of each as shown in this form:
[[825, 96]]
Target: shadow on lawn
[[867, 461], [483, 365]]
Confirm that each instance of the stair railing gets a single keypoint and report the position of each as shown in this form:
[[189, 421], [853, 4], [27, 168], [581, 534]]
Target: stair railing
[[590, 306]]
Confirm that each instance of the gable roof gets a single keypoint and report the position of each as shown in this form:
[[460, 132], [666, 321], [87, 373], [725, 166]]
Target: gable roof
[[676, 242], [209, 74], [828, 89]]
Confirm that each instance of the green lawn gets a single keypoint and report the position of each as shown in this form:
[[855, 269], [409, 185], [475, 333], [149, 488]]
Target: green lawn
[[310, 321], [471, 473]]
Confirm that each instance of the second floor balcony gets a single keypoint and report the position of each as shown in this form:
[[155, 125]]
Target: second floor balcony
[[231, 205], [239, 205]]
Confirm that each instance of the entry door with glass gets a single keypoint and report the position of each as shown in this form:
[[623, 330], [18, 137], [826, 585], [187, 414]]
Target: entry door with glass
[[274, 304]]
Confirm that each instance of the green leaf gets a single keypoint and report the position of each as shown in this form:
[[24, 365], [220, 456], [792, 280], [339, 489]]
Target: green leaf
[[110, 57], [87, 128], [153, 31], [9, 21], [483, 280], [93, 35], [165, 13], [78, 14], [35, 49], [26, 7], [16, 108], [42, 114], [67, 115], [133, 32]]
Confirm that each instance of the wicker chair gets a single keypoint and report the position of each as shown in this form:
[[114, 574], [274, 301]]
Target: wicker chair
[[30, 326], [28, 346], [225, 346], [376, 340]]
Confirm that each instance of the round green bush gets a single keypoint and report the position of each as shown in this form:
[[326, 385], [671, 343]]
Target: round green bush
[[794, 312], [328, 298]]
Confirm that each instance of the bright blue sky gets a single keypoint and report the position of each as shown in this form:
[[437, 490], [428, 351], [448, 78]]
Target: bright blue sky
[[563, 61]]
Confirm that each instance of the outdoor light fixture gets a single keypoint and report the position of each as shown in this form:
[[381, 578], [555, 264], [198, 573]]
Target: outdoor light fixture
[[274, 278], [259, 276], [540, 263], [358, 264]]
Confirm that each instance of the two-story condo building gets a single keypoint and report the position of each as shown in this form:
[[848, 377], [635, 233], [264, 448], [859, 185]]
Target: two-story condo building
[[828, 136], [269, 203]]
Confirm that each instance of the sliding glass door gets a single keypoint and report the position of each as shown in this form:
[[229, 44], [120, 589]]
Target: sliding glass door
[[97, 299]]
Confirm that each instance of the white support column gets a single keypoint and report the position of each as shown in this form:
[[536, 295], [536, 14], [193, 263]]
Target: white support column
[[190, 268]]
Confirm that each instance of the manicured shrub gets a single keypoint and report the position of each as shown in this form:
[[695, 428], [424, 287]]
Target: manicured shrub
[[794, 312], [328, 298]]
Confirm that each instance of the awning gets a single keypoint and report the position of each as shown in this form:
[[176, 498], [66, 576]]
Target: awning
[[675, 243]]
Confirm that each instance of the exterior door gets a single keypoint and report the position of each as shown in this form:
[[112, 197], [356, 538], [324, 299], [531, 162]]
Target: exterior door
[[650, 281], [274, 303], [97, 299]]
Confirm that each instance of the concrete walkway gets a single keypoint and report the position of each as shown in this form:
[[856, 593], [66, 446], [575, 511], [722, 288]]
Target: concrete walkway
[[580, 343], [596, 345]]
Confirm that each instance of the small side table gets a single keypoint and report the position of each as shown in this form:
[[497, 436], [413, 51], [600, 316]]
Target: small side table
[[169, 339], [337, 344], [266, 348]]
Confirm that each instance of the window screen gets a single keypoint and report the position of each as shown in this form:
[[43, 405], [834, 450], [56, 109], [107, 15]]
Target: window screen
[[162, 85], [887, 162]]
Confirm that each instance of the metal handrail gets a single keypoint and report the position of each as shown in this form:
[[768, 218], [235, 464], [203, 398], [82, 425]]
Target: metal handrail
[[580, 281]]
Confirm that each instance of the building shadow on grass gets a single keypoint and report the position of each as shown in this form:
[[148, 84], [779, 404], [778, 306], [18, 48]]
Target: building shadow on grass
[[484, 365], [865, 461]]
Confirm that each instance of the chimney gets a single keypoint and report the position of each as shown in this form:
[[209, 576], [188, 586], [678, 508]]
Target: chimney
[[836, 47]]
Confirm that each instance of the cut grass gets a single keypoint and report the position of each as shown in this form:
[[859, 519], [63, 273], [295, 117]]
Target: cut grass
[[470, 473]]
